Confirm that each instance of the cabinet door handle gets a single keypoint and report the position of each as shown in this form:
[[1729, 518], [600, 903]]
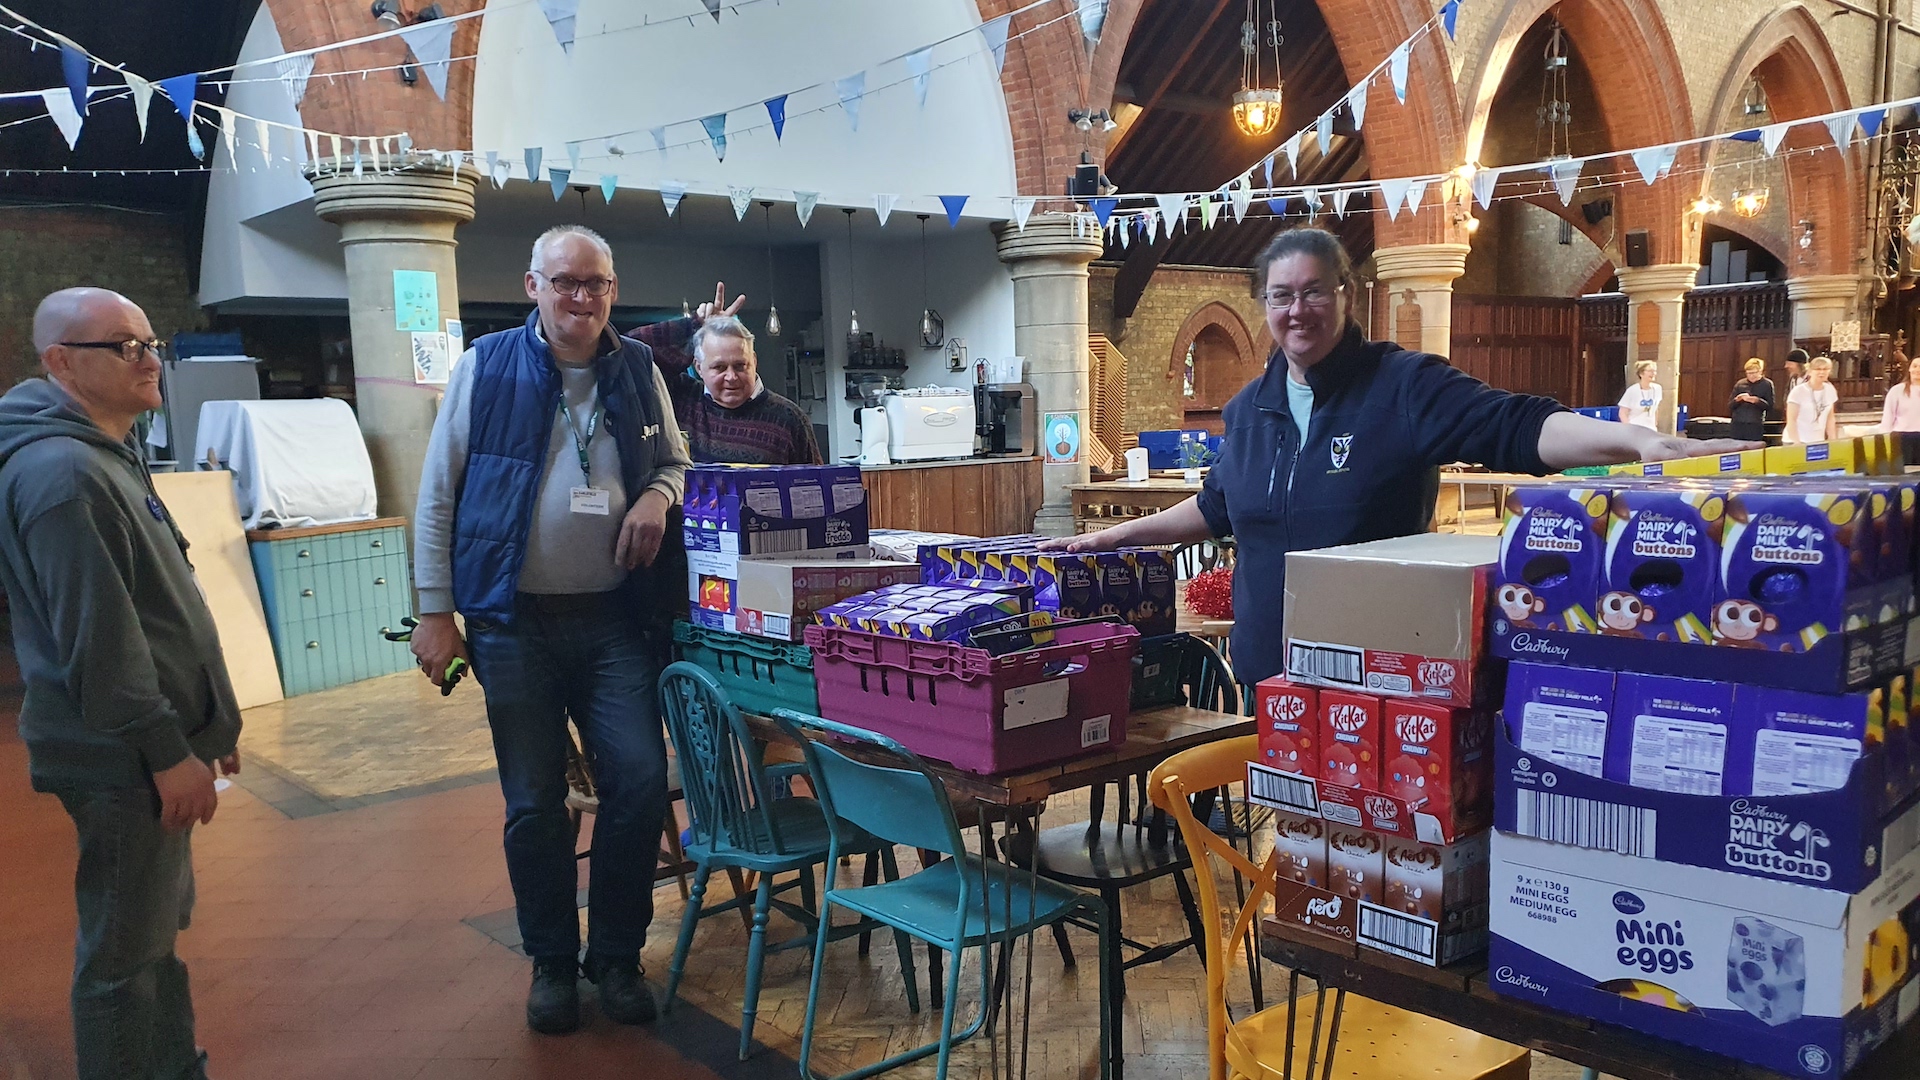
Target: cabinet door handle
[[379, 581], [306, 592], [377, 543], [313, 644], [305, 554]]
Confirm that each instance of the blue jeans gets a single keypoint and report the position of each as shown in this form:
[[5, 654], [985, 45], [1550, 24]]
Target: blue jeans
[[132, 1014], [588, 658]]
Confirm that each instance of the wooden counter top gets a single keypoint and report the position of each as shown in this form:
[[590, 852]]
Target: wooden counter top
[[995, 497], [322, 530], [945, 463]]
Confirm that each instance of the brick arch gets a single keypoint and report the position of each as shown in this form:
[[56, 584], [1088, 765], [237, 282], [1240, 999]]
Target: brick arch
[[1644, 100], [380, 104], [1791, 56], [1213, 313], [1048, 72]]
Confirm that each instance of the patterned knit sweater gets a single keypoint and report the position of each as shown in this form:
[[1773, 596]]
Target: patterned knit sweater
[[766, 429]]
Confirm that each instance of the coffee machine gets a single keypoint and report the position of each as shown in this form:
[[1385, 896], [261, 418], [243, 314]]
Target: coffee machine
[[1006, 419]]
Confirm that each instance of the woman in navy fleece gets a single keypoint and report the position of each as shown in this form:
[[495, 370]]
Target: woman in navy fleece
[[1341, 439]]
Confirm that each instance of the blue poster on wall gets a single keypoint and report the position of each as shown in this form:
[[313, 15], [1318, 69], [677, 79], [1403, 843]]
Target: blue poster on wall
[[1060, 433], [416, 301]]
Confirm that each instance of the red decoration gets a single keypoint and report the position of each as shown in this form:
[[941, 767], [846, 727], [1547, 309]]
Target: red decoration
[[1210, 594]]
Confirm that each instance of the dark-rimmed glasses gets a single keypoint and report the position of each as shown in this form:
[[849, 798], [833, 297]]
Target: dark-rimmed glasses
[[567, 286], [1313, 296], [132, 350]]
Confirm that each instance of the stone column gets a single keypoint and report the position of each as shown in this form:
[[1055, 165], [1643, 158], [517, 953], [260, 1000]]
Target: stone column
[[1655, 297], [389, 222], [1048, 261], [1428, 272], [1820, 301]]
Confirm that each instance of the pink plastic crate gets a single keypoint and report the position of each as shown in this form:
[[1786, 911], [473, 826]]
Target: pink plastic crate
[[978, 712]]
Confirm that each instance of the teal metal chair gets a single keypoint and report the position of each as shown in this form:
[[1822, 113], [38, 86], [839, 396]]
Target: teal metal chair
[[960, 902], [737, 825]]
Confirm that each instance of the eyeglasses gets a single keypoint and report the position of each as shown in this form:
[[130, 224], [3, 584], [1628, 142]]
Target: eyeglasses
[[566, 286], [1312, 296], [132, 350]]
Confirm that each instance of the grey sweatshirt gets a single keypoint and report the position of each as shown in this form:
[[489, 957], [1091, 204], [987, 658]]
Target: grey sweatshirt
[[566, 552], [120, 656]]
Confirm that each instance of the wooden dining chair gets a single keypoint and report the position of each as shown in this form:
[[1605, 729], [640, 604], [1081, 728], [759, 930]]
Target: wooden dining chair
[[582, 800]]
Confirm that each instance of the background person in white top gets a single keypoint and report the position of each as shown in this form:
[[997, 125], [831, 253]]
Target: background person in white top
[[1641, 403], [1811, 416]]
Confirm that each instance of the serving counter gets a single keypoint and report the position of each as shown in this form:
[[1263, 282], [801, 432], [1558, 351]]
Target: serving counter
[[969, 496]]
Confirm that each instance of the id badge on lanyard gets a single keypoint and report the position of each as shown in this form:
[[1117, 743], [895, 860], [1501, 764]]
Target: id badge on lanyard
[[586, 499]]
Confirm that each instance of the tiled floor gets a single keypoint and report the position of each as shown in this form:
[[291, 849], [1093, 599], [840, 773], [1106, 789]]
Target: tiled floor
[[344, 927]]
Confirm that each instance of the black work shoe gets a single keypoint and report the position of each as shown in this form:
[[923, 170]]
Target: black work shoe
[[625, 996], [553, 1004]]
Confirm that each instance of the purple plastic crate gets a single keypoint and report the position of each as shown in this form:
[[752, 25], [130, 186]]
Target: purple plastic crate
[[977, 712]]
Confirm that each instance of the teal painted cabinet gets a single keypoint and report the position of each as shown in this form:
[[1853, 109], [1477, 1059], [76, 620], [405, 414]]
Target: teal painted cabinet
[[329, 593]]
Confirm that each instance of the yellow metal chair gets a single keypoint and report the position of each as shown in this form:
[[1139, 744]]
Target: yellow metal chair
[[1379, 1041]]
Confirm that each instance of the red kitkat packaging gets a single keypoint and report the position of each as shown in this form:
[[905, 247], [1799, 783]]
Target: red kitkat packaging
[[1437, 760], [1288, 718], [1349, 739]]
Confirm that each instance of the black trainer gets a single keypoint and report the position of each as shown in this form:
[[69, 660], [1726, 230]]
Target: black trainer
[[553, 1004], [624, 994]]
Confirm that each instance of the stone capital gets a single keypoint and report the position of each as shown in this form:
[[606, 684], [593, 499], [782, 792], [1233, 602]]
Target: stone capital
[[1832, 289], [1052, 237], [425, 195], [1438, 264], [1668, 281]]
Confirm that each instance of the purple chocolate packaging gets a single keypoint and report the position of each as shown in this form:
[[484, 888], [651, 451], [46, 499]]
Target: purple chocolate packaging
[[1552, 550], [1788, 568], [1119, 589], [1786, 742], [1661, 575], [1560, 713], [1669, 734], [1154, 610]]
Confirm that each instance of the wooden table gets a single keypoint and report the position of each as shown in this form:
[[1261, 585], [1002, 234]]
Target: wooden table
[[1109, 502], [1460, 995], [1455, 483]]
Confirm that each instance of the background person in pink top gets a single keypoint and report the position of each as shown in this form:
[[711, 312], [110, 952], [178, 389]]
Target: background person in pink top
[[1902, 411]]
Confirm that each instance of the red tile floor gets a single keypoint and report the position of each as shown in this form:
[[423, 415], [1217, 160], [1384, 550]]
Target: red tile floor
[[328, 946]]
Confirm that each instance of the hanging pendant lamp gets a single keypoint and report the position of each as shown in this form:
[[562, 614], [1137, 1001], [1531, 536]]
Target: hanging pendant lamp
[[1256, 108], [853, 314], [773, 313]]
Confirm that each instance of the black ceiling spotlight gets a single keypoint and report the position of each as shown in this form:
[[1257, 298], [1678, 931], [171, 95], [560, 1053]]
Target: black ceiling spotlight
[[1597, 210], [1087, 180]]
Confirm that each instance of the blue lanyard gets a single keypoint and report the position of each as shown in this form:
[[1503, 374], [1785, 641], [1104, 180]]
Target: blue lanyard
[[580, 444]]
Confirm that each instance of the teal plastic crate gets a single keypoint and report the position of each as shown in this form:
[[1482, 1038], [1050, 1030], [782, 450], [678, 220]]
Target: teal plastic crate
[[1156, 672], [759, 674]]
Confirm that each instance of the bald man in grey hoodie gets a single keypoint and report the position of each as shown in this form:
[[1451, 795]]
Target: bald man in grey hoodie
[[128, 706]]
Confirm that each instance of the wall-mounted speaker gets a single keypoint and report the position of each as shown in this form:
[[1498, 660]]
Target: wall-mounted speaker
[[1597, 211], [1637, 249]]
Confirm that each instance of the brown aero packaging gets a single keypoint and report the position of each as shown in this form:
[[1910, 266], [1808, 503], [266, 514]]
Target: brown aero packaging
[[1300, 847], [1404, 617]]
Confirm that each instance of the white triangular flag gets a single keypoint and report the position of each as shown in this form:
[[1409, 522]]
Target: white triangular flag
[[920, 65], [65, 116], [294, 73], [338, 162], [614, 149], [560, 15], [1292, 149], [313, 148], [1022, 209], [1323, 131], [1396, 193], [1357, 104], [456, 158], [1566, 176], [1654, 161], [671, 194], [803, 204], [883, 205], [359, 161], [742, 198], [1771, 137], [659, 138], [1126, 232], [1241, 194], [432, 45], [1312, 195], [142, 97], [851, 89], [1416, 190], [1841, 128], [1093, 18], [573, 155], [1209, 210], [227, 120], [1484, 182], [265, 131], [1397, 68], [1340, 197], [996, 34], [1173, 208]]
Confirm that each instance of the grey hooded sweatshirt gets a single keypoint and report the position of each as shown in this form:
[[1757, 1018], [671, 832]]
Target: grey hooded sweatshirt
[[119, 653]]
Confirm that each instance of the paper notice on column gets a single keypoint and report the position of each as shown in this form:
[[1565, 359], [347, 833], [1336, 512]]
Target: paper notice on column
[[431, 362], [1845, 336], [416, 301]]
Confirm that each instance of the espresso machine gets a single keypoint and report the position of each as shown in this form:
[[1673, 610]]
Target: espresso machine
[[1006, 419]]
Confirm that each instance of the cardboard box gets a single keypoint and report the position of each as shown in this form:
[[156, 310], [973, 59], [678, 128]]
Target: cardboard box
[[1668, 734], [1287, 716], [1838, 456], [1796, 568], [1433, 643], [1433, 906], [1552, 547], [1560, 713], [1349, 739], [773, 510], [1786, 742], [1800, 980], [1356, 863], [778, 598], [1743, 463], [1436, 759], [713, 582], [1662, 570], [1300, 842]]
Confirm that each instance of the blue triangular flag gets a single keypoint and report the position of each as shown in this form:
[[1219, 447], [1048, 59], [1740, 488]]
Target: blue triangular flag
[[920, 65], [432, 45], [851, 89], [558, 178], [659, 138], [1269, 165], [180, 90], [533, 162], [1278, 206], [1749, 135], [75, 66], [1449, 15], [716, 126], [996, 34], [560, 15], [953, 203], [777, 112], [1870, 121], [1103, 209], [608, 182]]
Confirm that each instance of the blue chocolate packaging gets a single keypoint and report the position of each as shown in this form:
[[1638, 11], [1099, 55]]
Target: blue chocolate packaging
[[1787, 742], [1788, 568], [1552, 546], [1660, 579], [1669, 734], [1560, 713]]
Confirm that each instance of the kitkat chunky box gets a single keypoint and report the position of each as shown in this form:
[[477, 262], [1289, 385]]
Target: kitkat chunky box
[[1350, 739], [1438, 760], [1802, 980], [1287, 717], [1661, 574], [1433, 644], [1552, 546]]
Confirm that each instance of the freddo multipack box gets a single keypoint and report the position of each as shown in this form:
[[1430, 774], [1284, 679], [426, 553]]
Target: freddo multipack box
[[1135, 585]]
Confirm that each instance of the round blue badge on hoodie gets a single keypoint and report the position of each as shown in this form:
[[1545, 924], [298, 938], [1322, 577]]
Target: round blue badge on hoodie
[[153, 507]]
